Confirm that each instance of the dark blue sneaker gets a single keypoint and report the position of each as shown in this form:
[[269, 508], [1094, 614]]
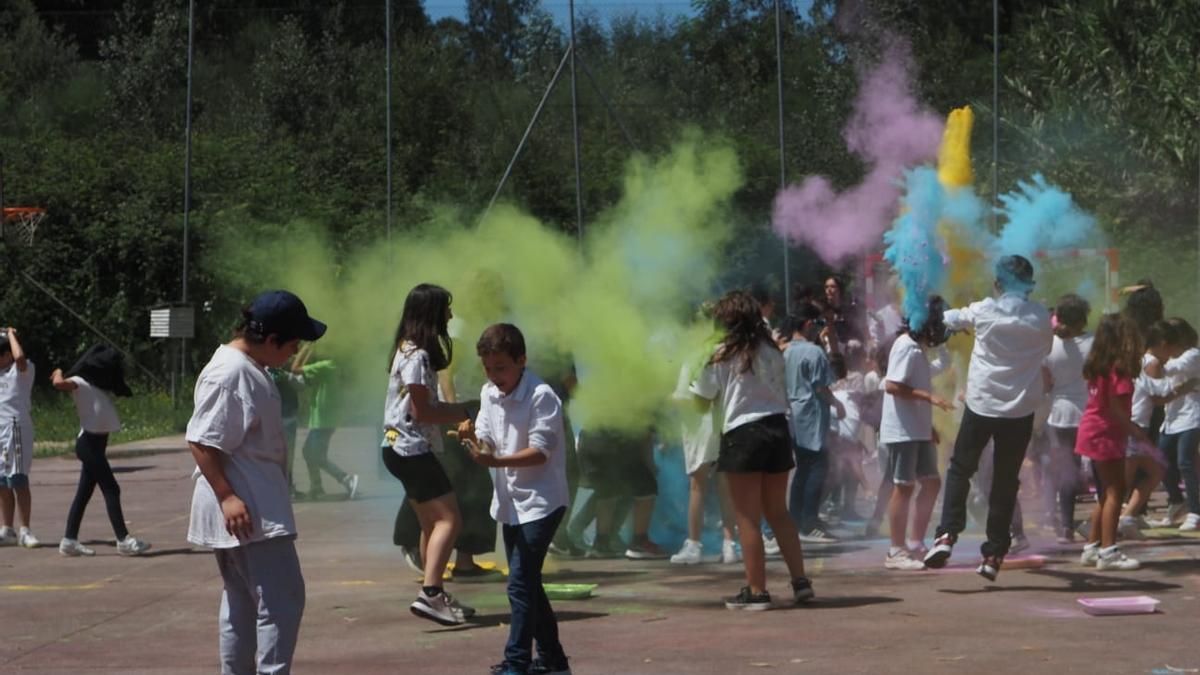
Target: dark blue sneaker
[[546, 667]]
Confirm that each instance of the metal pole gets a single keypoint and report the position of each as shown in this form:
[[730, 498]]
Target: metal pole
[[612, 112], [575, 135], [995, 110], [787, 273], [528, 130], [387, 28], [187, 185]]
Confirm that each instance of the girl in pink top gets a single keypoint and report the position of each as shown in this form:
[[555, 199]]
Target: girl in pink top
[[1104, 432]]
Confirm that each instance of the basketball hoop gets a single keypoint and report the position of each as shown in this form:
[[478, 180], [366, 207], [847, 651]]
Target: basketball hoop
[[20, 223]]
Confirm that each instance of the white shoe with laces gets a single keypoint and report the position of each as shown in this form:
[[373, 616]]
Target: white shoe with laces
[[131, 546], [27, 540], [1191, 523], [351, 483], [691, 553], [8, 537], [1111, 559], [1127, 528], [770, 547], [437, 608], [467, 611], [729, 553], [73, 549], [1090, 554], [899, 559]]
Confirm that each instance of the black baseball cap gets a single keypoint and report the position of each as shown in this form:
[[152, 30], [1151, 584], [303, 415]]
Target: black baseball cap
[[282, 313]]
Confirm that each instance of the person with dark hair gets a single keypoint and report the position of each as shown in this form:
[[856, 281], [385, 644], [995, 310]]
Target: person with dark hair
[[1013, 335], [906, 429], [412, 413], [97, 376], [16, 440], [1144, 305], [846, 324], [745, 376], [810, 399], [1063, 374], [323, 381], [1180, 437], [519, 434]]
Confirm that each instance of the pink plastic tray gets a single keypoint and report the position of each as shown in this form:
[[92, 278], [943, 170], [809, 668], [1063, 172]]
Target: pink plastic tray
[[1138, 604]]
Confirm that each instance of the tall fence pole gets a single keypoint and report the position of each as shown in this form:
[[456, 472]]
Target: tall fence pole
[[995, 109], [575, 134], [387, 29], [187, 192], [787, 269]]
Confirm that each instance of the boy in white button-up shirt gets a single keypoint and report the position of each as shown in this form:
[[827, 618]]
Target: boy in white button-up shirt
[[519, 434], [1013, 335]]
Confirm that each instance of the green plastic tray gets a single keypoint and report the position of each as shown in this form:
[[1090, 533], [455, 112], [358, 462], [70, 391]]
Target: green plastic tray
[[569, 591]]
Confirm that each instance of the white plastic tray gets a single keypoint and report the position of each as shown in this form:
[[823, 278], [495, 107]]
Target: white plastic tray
[[1138, 604]]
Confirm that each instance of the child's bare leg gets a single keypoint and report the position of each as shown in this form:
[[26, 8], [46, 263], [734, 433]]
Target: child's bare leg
[[727, 518], [440, 523], [898, 512], [1140, 495], [746, 491], [1112, 482], [24, 505], [643, 511], [697, 482], [924, 509], [6, 506], [774, 507]]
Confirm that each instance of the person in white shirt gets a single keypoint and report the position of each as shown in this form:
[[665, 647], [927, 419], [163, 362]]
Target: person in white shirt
[[519, 435], [906, 429], [1013, 335], [1181, 427], [241, 506], [16, 440], [92, 381], [1062, 372]]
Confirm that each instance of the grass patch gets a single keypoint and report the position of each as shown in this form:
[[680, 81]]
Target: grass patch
[[144, 415]]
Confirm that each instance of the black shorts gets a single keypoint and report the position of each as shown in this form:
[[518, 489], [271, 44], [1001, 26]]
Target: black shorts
[[422, 475], [761, 446], [617, 463]]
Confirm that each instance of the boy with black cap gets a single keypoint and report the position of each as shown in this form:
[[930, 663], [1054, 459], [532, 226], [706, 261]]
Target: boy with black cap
[[95, 378], [16, 439], [241, 506], [1013, 336]]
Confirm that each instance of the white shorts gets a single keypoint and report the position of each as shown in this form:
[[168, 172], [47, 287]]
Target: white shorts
[[16, 447], [701, 444]]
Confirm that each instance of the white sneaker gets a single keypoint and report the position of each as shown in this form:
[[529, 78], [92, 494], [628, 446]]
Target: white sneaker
[[818, 535], [900, 560], [437, 608], [730, 553], [1127, 528], [1191, 523], [1091, 553], [8, 536], [770, 547], [689, 553], [1175, 513], [937, 557], [466, 610], [1113, 559], [27, 540], [73, 549], [351, 483], [1019, 543], [131, 546]]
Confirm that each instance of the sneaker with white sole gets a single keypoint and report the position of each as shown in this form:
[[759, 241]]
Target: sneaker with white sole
[[818, 535], [1191, 523], [943, 546], [1019, 543], [730, 553], [644, 549], [73, 549], [351, 483], [1090, 554], [1111, 559], [26, 539], [899, 559], [437, 608], [989, 568], [691, 553], [1175, 514], [770, 547], [131, 546], [8, 536], [1127, 528], [802, 590], [747, 600], [467, 611]]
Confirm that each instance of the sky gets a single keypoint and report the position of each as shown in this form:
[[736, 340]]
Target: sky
[[606, 9]]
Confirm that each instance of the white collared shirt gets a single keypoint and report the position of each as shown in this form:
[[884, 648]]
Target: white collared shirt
[[1145, 387], [1012, 337], [1183, 413], [529, 417]]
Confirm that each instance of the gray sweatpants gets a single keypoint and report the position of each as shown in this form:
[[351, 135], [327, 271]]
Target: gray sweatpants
[[261, 607]]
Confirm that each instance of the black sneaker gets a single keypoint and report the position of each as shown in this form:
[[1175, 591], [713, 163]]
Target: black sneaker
[[541, 666], [505, 669], [749, 601], [990, 567], [937, 557], [802, 590]]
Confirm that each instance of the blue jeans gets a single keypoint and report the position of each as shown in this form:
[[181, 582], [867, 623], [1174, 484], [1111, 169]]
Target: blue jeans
[[805, 501], [1182, 447], [532, 617]]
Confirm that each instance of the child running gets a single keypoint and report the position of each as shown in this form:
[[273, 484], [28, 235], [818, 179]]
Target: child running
[[1104, 432], [907, 431], [16, 440], [745, 374], [1004, 387], [519, 434], [412, 413], [240, 505], [92, 381]]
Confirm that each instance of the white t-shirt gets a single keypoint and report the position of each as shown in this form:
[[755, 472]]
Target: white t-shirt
[[698, 431], [1012, 337], [1143, 388], [848, 393], [906, 419], [97, 414], [238, 411], [748, 396], [529, 417], [1069, 396], [16, 421], [1183, 413], [401, 431]]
